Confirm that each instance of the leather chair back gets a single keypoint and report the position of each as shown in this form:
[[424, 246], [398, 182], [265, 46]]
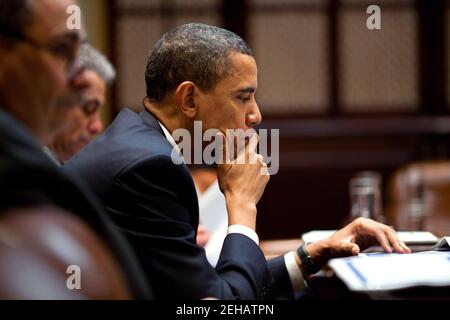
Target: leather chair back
[[37, 248], [418, 197]]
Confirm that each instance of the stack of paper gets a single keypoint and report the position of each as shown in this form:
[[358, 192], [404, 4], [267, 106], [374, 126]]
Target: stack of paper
[[375, 272], [442, 245], [408, 237]]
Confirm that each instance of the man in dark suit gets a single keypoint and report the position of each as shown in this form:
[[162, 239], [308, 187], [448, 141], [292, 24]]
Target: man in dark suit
[[199, 72], [37, 52]]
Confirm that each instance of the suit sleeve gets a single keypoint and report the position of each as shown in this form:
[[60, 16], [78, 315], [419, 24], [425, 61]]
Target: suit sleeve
[[281, 287], [154, 204]]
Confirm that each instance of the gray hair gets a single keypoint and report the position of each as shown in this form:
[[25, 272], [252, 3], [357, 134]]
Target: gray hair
[[15, 16], [90, 58], [192, 52]]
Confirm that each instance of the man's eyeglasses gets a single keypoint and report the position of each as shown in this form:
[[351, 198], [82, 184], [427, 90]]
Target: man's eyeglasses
[[65, 47]]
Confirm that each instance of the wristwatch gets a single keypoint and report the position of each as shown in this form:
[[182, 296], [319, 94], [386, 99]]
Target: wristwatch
[[306, 259]]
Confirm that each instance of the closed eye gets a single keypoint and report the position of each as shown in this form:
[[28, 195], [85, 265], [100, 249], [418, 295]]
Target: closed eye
[[90, 107], [244, 99]]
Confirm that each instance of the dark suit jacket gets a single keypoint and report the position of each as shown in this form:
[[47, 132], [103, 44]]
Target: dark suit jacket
[[28, 177], [154, 202]]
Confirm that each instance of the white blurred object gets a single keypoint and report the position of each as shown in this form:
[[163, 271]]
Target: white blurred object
[[408, 237], [375, 272], [214, 218]]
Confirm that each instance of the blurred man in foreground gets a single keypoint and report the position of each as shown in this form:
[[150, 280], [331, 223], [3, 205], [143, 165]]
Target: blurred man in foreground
[[48, 221]]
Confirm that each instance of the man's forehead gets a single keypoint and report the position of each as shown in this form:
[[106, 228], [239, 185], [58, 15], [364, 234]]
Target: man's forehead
[[50, 18], [95, 83], [243, 75]]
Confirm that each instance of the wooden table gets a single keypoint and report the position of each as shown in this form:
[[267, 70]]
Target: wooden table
[[275, 248]]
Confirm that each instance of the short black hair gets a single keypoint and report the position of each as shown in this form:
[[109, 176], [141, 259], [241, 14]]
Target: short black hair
[[191, 52], [15, 16]]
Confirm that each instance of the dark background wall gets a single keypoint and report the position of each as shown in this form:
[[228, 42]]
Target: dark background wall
[[345, 98]]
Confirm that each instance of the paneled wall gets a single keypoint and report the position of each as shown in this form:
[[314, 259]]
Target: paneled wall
[[291, 51], [378, 71], [139, 24], [345, 98]]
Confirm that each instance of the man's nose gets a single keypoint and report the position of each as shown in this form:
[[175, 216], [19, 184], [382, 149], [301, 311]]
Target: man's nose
[[254, 118], [95, 127]]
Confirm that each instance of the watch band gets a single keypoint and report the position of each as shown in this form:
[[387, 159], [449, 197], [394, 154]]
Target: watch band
[[306, 259]]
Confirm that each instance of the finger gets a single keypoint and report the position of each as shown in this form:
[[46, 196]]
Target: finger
[[345, 249], [249, 151], [257, 158], [222, 148], [404, 246], [264, 168], [383, 241], [253, 143], [398, 245], [392, 238], [355, 250], [349, 248], [407, 249]]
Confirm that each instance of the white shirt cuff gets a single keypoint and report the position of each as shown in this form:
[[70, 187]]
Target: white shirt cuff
[[295, 274], [246, 231]]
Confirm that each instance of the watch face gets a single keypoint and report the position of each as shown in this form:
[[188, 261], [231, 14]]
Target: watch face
[[307, 260]]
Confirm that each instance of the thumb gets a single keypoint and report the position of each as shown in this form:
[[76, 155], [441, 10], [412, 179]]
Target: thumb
[[355, 250], [348, 249]]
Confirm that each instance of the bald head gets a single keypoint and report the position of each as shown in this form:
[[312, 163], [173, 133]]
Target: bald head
[[49, 17]]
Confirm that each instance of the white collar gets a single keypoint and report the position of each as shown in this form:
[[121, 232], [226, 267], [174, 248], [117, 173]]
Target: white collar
[[52, 156], [170, 138]]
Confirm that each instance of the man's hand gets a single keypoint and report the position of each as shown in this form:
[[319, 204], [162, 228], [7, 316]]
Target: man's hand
[[242, 181], [202, 236], [359, 235]]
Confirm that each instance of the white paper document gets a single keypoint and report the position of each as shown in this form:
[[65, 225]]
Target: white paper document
[[382, 272], [316, 235], [408, 237], [417, 237]]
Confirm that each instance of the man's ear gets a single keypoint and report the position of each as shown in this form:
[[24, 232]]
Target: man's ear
[[185, 99]]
